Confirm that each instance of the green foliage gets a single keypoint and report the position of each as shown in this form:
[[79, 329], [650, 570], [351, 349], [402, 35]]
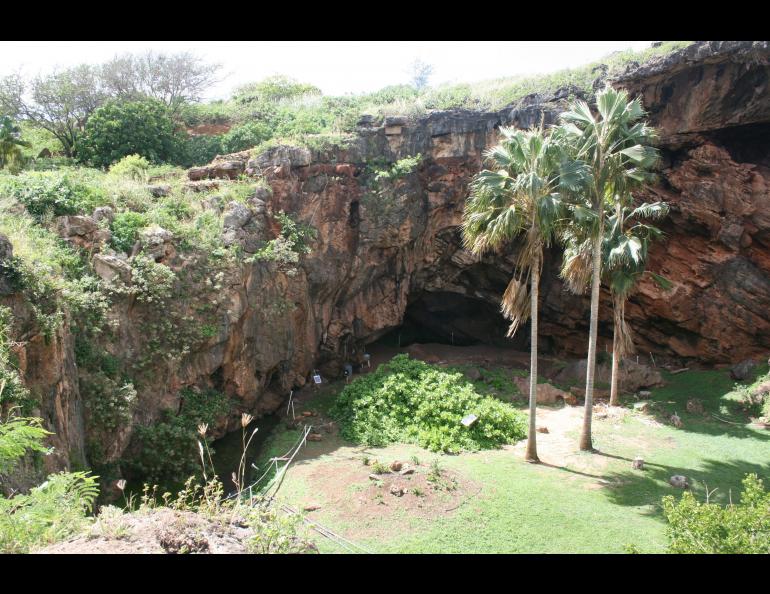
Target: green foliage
[[49, 513], [125, 229], [19, 435], [121, 128], [12, 389], [738, 528], [109, 402], [167, 452], [245, 136], [134, 167], [273, 89], [287, 248], [11, 145], [151, 282], [410, 401], [51, 193]]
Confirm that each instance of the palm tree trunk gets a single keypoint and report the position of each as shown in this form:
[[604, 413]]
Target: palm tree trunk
[[531, 455], [614, 401], [586, 443]]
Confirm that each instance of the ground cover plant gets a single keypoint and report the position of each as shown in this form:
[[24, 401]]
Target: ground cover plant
[[410, 401]]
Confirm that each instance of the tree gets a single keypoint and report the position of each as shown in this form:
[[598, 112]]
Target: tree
[[60, 102], [625, 257], [173, 79], [119, 128], [274, 89], [10, 144], [520, 197], [612, 146], [420, 73]]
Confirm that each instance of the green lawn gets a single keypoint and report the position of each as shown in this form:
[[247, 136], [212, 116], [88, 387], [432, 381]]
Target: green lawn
[[577, 502]]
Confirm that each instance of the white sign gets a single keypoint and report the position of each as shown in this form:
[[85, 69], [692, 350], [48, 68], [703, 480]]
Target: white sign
[[468, 420], [317, 379]]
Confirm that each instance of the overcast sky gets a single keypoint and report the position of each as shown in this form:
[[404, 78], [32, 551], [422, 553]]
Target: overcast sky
[[337, 67]]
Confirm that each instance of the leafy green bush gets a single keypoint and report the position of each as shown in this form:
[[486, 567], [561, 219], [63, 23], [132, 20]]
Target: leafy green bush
[[51, 193], [410, 401], [289, 245], [19, 435], [121, 128], [738, 528], [246, 136], [50, 512], [133, 167], [167, 452], [125, 229]]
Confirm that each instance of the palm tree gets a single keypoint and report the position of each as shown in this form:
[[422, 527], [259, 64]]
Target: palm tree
[[10, 144], [625, 258], [613, 147], [520, 197]]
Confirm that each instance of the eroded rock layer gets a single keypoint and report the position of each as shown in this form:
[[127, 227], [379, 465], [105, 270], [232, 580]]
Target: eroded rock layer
[[382, 248]]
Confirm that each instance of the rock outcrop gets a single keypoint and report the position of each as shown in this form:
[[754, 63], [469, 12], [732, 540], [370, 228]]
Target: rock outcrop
[[254, 329]]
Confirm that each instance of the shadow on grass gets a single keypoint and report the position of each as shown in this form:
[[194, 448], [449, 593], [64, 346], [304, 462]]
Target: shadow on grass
[[648, 486], [717, 393]]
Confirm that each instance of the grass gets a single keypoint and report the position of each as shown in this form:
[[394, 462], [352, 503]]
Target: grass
[[557, 506]]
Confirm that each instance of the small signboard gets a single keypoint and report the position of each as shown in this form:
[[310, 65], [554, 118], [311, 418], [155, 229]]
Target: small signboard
[[317, 379], [468, 420]]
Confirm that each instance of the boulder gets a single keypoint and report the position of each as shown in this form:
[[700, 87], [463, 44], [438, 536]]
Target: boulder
[[744, 370], [109, 267], [156, 242], [546, 393], [676, 421], [159, 190], [678, 481], [395, 466], [637, 464], [103, 213], [75, 226], [633, 376], [236, 215]]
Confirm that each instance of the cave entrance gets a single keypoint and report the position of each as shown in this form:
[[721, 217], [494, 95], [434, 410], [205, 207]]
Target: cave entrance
[[454, 319]]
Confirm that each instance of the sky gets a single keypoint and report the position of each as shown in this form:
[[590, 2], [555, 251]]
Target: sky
[[336, 67]]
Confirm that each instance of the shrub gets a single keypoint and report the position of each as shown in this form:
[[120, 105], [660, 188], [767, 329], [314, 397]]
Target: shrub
[[167, 452], [410, 401], [52, 193], [125, 229], [289, 245], [738, 528], [133, 167], [246, 136], [121, 128], [50, 512]]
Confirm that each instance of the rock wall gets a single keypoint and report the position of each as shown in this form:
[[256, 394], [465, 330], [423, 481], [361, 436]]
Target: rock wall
[[376, 252]]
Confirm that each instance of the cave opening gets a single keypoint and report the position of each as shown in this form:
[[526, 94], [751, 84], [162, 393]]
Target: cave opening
[[449, 318]]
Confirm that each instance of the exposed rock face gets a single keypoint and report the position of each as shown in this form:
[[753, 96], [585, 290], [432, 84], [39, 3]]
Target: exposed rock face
[[377, 254]]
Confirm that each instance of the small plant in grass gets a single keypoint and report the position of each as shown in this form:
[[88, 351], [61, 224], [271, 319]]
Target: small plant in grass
[[417, 492], [379, 468], [415, 460], [366, 460]]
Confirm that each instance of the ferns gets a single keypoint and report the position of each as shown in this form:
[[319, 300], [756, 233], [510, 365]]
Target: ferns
[[50, 512], [16, 437]]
